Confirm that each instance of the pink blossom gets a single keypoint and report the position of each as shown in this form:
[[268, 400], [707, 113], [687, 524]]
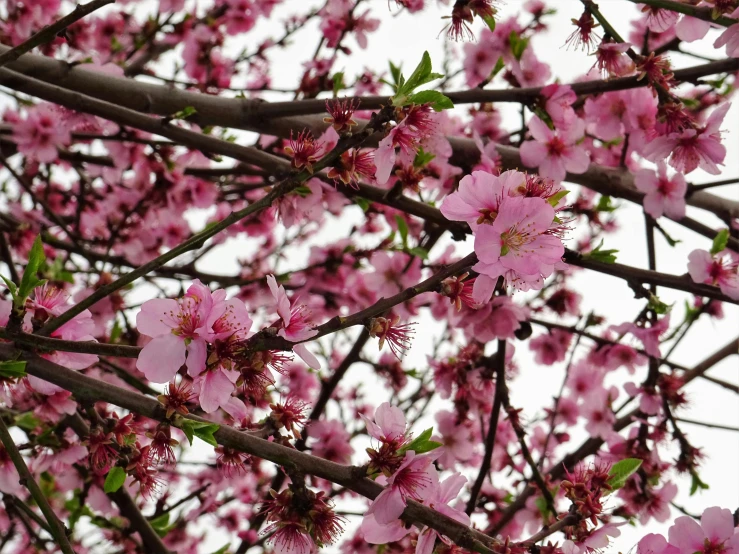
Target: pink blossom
[[612, 60], [215, 387], [551, 347], [555, 152], [596, 409], [413, 479], [456, 437], [721, 269], [649, 336], [663, 194], [296, 324], [559, 100], [439, 500], [178, 329], [730, 37], [331, 441], [41, 134], [715, 533], [9, 478], [655, 544], [518, 245], [692, 148], [690, 29], [660, 20], [389, 425]]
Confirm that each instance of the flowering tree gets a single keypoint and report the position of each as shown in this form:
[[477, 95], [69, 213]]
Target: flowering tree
[[154, 400]]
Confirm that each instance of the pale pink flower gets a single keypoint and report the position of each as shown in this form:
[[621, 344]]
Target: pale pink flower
[[692, 148], [658, 505], [730, 37], [178, 329], [401, 136], [715, 533], [555, 152], [518, 245], [690, 29], [655, 544], [439, 500], [413, 479], [215, 387], [559, 100], [649, 336], [612, 60], [389, 425], [457, 439], [331, 441], [596, 409], [296, 324], [721, 269], [660, 20], [9, 478], [663, 194]]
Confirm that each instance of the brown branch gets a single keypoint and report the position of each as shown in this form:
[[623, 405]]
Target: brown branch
[[704, 13], [56, 527], [50, 32]]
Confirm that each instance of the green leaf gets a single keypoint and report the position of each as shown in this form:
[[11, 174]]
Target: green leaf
[[599, 255], [489, 21], [395, 72], [420, 252], [160, 522], [419, 75], [402, 229], [13, 369], [696, 484], [222, 550], [720, 241], [184, 113], [427, 446], [421, 444], [554, 200], [657, 306], [518, 44], [27, 421], [10, 284], [115, 332], [422, 158], [115, 479], [36, 257], [621, 471], [338, 81], [605, 204], [362, 203], [437, 100], [201, 429], [499, 65]]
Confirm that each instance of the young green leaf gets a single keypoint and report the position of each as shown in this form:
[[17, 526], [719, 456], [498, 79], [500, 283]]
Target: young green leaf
[[437, 100], [420, 252], [554, 200], [605, 204], [599, 255], [720, 241], [201, 429], [422, 158], [621, 471], [696, 484], [36, 258], [489, 21], [402, 229], [13, 369], [115, 479]]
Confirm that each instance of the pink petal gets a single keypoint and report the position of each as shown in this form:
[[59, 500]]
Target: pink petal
[[162, 358], [388, 506], [306, 356], [154, 318], [197, 351], [532, 153], [717, 523], [215, 391]]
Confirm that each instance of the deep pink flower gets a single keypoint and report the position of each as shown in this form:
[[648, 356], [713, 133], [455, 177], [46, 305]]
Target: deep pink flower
[[555, 152], [663, 194], [551, 347], [692, 148], [177, 328], [612, 60], [721, 269], [41, 134]]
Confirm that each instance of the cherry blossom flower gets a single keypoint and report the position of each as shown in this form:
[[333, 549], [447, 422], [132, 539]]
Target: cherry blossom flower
[[178, 329], [649, 336], [663, 194], [389, 425], [296, 324], [692, 148], [721, 269], [730, 37], [518, 245], [447, 491], [555, 153], [41, 134], [715, 533], [411, 480]]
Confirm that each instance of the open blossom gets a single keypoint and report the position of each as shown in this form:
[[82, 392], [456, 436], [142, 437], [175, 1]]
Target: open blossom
[[649, 336], [663, 194], [412, 479], [296, 324], [721, 269], [178, 329], [518, 245], [555, 152], [446, 492], [389, 424], [692, 148], [730, 37], [40, 134], [714, 534]]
